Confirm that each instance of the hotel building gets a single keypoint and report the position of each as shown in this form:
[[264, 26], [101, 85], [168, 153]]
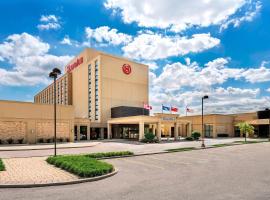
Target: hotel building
[[101, 96]]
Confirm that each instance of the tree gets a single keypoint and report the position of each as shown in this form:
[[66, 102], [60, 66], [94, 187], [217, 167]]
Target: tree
[[245, 128]]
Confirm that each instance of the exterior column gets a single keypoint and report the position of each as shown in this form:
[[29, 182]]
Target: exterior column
[[159, 131], [176, 134], [102, 133], [78, 132], [88, 133], [170, 131], [154, 129], [189, 129], [109, 131], [141, 130]]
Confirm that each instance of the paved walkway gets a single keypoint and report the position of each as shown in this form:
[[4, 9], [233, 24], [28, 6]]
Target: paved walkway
[[47, 146], [32, 171]]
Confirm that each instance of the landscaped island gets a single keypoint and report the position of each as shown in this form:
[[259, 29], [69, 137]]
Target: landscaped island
[[86, 165]]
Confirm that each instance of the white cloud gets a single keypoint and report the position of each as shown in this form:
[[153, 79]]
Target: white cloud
[[184, 84], [176, 14], [105, 34], [252, 11], [151, 46], [66, 40], [29, 59], [49, 22], [257, 75]]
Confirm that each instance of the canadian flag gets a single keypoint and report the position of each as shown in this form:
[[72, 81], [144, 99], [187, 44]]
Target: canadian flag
[[146, 106]]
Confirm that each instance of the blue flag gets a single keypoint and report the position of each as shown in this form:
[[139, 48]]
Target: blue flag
[[167, 108]]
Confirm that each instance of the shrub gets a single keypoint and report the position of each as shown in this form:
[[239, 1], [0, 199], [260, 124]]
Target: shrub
[[109, 154], [41, 140], [222, 135], [1, 142], [10, 141], [20, 141], [81, 165], [61, 139], [196, 135], [189, 138], [149, 137], [2, 166], [67, 139]]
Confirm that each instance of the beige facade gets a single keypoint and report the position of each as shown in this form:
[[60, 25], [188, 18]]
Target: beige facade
[[63, 92], [32, 122], [97, 82]]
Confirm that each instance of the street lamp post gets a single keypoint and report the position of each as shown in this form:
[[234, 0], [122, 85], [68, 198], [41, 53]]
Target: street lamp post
[[203, 145], [53, 74]]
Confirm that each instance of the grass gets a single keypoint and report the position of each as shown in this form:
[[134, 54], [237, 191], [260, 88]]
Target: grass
[[222, 145], [81, 165], [2, 166], [109, 154], [250, 142], [181, 149]]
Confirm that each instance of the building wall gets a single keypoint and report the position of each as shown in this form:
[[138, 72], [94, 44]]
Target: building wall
[[221, 123], [63, 92], [120, 89], [31, 121]]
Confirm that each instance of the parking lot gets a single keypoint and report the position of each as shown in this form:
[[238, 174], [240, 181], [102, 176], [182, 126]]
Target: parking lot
[[235, 172]]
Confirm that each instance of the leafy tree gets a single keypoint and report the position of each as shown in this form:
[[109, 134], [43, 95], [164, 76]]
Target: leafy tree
[[245, 128]]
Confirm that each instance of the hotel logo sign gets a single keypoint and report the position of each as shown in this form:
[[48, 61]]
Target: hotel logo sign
[[72, 66], [126, 69]]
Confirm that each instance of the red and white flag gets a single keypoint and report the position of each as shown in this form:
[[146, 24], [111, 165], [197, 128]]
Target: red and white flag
[[174, 109], [146, 106]]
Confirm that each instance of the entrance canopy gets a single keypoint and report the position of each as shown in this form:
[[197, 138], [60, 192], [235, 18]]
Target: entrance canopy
[[155, 123]]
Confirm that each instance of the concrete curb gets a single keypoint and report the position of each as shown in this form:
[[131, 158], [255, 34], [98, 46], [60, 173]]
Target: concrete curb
[[81, 180]]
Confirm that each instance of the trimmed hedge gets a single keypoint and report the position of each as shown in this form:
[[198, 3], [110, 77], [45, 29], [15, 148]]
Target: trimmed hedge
[[2, 166], [109, 154], [81, 165]]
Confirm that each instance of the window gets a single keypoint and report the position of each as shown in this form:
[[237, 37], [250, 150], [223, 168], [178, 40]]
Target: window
[[89, 91], [208, 130], [96, 91]]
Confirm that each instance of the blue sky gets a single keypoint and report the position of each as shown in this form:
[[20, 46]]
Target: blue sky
[[215, 47]]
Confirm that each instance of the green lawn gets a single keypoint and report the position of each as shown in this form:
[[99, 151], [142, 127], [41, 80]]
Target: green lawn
[[109, 154], [181, 149], [2, 166], [250, 142], [222, 145], [81, 165]]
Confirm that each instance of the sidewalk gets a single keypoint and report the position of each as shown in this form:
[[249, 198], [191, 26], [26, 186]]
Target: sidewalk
[[47, 146]]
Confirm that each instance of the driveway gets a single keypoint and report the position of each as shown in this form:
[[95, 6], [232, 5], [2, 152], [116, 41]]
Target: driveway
[[104, 146], [236, 172]]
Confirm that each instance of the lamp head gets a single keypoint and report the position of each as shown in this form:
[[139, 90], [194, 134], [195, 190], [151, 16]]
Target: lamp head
[[206, 97]]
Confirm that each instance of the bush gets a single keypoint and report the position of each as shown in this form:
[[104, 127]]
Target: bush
[[2, 166], [61, 139], [189, 138], [41, 140], [81, 165], [20, 141], [10, 141], [196, 135], [222, 135], [67, 140], [1, 141], [109, 154], [149, 137]]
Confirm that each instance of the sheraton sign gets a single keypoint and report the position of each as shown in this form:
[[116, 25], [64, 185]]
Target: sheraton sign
[[72, 66]]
